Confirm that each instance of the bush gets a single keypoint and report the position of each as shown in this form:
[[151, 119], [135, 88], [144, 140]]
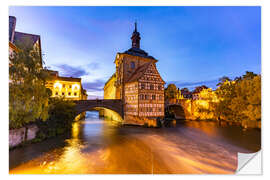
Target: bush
[[61, 115]]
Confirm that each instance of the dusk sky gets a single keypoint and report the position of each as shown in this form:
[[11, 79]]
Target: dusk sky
[[193, 45]]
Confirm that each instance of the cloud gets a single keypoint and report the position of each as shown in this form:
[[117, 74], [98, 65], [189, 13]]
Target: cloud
[[94, 86], [191, 85], [93, 66], [94, 97], [71, 71]]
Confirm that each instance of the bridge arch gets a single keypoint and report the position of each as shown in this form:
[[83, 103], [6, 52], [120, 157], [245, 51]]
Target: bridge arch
[[115, 105], [177, 110]]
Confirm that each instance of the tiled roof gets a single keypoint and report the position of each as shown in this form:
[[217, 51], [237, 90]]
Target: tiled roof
[[139, 72], [67, 79], [20, 37], [138, 52]]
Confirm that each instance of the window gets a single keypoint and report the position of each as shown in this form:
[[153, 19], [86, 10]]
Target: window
[[56, 93], [159, 109], [63, 93], [69, 86], [141, 96], [150, 109], [69, 93], [75, 94], [151, 87], [153, 97], [159, 87], [145, 97], [132, 65], [64, 85], [142, 86], [160, 97]]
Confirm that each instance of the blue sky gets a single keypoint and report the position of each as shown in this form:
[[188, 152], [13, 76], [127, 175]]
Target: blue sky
[[194, 45]]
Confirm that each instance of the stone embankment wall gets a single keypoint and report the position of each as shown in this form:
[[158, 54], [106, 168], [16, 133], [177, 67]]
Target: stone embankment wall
[[141, 121], [18, 136]]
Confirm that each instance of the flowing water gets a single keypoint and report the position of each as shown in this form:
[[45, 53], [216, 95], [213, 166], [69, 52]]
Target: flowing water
[[100, 146]]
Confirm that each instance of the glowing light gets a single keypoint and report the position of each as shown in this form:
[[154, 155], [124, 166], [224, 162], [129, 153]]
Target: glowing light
[[57, 85], [75, 130], [75, 86]]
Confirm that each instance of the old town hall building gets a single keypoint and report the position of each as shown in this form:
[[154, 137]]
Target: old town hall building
[[137, 82]]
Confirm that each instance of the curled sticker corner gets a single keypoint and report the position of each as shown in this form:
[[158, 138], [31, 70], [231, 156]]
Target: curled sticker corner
[[249, 163]]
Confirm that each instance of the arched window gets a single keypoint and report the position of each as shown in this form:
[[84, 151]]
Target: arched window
[[132, 65]]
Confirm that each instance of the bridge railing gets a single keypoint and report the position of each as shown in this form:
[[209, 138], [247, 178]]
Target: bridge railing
[[97, 101]]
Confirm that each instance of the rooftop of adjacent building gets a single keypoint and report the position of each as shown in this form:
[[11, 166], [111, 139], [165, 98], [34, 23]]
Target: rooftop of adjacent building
[[16, 37]]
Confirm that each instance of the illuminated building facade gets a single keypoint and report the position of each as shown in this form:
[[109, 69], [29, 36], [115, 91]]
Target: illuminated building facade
[[69, 88], [137, 82]]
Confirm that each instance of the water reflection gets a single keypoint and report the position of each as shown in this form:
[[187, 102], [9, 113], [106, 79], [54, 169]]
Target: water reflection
[[100, 146], [248, 139]]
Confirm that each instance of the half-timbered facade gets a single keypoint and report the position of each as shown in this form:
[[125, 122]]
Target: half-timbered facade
[[144, 92]]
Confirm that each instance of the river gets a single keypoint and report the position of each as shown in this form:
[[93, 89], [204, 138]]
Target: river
[[98, 146]]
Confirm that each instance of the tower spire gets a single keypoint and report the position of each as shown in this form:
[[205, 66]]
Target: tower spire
[[135, 38], [135, 26]]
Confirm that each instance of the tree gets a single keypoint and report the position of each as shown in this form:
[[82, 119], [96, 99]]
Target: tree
[[249, 75], [241, 99], [171, 91], [28, 97], [223, 80], [247, 101]]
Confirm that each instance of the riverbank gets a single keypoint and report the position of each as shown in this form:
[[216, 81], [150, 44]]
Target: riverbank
[[180, 112]]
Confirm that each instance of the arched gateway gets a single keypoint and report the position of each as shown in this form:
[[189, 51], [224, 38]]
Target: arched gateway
[[112, 104]]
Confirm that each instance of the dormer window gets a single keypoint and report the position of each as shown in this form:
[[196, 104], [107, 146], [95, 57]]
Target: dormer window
[[132, 65]]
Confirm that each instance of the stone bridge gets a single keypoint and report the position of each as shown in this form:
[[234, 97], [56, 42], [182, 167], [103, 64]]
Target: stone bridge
[[178, 109], [88, 105]]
